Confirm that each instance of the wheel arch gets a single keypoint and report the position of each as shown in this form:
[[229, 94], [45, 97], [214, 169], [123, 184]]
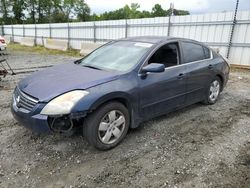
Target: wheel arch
[[221, 79], [120, 97]]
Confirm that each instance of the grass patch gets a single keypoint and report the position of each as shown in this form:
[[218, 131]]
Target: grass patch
[[42, 50], [245, 69]]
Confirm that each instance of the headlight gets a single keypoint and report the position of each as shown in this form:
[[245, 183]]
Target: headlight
[[63, 104]]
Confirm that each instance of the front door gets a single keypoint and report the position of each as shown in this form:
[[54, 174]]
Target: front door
[[163, 92]]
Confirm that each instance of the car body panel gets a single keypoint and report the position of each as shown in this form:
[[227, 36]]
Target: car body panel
[[61, 79], [198, 71], [3, 44], [162, 97], [32, 120], [146, 96]]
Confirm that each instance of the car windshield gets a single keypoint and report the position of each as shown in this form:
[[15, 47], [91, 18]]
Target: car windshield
[[118, 56]]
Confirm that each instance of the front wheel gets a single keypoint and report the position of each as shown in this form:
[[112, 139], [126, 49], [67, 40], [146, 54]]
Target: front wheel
[[107, 126], [213, 91]]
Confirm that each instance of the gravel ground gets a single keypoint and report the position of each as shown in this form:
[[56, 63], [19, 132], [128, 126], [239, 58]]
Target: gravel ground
[[199, 146]]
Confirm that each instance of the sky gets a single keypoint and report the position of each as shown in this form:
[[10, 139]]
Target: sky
[[194, 6]]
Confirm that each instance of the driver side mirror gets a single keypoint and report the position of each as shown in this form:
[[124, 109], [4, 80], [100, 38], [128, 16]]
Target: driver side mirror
[[153, 67]]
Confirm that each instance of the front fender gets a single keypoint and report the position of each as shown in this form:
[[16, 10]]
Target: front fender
[[129, 100], [124, 90]]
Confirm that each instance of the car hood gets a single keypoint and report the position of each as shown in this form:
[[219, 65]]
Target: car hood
[[51, 82]]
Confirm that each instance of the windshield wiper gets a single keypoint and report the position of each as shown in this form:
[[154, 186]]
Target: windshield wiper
[[92, 67]]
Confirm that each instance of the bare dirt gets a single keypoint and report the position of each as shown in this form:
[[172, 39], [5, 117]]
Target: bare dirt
[[199, 146]]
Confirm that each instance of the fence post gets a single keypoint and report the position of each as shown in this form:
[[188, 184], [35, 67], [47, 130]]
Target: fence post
[[94, 28], [12, 31], [169, 18], [68, 36], [50, 33], [126, 28], [23, 31], [232, 29], [2, 29], [35, 34], [169, 25], [42, 41]]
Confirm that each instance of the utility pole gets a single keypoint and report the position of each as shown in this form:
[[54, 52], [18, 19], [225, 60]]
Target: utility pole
[[233, 27]]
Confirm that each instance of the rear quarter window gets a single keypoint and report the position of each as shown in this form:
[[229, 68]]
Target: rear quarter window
[[206, 53], [194, 52]]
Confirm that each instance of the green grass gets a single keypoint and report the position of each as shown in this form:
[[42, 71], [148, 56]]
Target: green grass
[[240, 69], [42, 50]]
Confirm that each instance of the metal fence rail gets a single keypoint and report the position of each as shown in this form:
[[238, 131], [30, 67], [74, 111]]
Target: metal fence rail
[[218, 30]]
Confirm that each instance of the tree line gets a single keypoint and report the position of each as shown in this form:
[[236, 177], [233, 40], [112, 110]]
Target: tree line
[[59, 11]]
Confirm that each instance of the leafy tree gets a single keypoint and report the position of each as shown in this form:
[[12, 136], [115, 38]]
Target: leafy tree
[[18, 11], [58, 16], [43, 10], [82, 10], [46, 11], [134, 12], [127, 12], [5, 7], [158, 11], [145, 14], [181, 12], [56, 11], [130, 12], [68, 8], [32, 9]]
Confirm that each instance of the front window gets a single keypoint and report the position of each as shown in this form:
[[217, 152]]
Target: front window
[[168, 55], [118, 56]]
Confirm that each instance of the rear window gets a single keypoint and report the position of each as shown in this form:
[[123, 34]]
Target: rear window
[[194, 52]]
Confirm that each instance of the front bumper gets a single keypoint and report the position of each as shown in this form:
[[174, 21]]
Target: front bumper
[[32, 120], [3, 46]]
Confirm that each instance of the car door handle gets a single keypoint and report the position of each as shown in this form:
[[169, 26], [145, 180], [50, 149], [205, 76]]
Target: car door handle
[[210, 66], [181, 76]]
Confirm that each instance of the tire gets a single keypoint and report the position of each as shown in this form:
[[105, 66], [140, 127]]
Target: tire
[[213, 91], [101, 128]]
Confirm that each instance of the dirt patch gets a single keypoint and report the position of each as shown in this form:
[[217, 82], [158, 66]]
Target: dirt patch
[[199, 146]]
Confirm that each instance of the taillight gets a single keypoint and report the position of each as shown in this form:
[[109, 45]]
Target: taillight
[[2, 41]]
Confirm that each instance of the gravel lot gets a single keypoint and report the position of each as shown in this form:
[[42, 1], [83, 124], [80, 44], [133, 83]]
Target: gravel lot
[[199, 146]]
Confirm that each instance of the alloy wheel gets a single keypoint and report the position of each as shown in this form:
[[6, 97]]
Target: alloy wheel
[[111, 127], [214, 90]]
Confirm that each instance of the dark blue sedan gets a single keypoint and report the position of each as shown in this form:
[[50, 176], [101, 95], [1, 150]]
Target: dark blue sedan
[[118, 86]]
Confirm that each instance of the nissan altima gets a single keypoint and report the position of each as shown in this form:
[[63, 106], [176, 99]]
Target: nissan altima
[[118, 86]]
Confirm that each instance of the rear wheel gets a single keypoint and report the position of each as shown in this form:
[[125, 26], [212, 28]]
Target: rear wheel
[[107, 126], [213, 91]]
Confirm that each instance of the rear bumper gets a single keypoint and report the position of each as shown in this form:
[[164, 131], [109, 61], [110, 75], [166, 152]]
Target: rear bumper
[[226, 76], [37, 123]]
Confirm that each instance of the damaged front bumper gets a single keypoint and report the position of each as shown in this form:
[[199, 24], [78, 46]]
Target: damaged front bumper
[[37, 123], [44, 124]]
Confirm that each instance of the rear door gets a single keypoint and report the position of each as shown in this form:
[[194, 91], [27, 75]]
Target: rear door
[[197, 59]]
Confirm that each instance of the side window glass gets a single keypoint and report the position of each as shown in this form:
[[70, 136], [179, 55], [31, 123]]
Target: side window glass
[[206, 52], [167, 55], [194, 52]]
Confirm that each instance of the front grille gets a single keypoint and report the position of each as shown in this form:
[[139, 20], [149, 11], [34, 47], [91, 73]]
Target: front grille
[[24, 101]]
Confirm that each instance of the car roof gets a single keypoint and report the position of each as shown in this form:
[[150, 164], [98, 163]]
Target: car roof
[[155, 39]]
